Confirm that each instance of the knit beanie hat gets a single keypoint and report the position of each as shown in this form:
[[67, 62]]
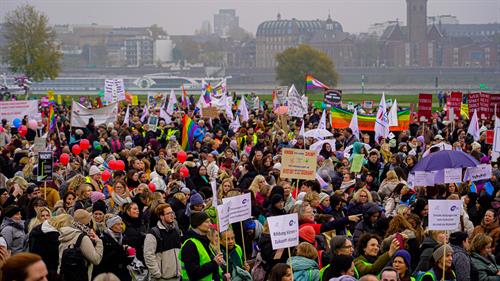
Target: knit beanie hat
[[197, 218], [406, 257], [196, 199], [439, 252], [10, 211], [276, 199], [113, 220], [96, 196], [99, 205], [307, 233], [322, 196]]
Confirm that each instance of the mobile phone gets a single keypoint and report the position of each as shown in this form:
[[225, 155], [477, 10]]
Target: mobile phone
[[401, 240]]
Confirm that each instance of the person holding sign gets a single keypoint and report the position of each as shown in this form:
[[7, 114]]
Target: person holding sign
[[442, 256], [198, 261], [235, 252]]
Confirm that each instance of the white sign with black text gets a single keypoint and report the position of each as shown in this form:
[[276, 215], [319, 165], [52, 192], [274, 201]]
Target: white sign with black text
[[240, 207], [444, 214], [284, 231]]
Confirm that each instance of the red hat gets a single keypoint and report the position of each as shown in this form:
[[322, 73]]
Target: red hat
[[307, 233]]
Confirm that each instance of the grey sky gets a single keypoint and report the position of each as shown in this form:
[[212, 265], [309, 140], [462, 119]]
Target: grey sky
[[184, 16]]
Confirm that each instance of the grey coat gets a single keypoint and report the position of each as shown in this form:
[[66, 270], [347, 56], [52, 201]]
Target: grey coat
[[461, 263], [13, 233]]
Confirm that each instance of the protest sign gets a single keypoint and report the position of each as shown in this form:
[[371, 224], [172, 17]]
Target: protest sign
[[496, 142], [490, 134], [80, 115], [368, 104], [296, 106], [114, 90], [281, 94], [135, 100], [357, 163], [153, 122], [423, 178], [213, 184], [39, 144], [44, 170], [284, 231], [444, 214], [481, 172], [424, 107], [332, 98], [298, 164], [11, 110], [223, 216], [210, 112], [456, 103], [453, 175], [240, 207]]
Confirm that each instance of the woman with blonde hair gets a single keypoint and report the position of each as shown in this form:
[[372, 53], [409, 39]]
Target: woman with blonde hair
[[119, 197], [83, 201], [359, 199], [258, 182], [388, 184], [313, 199], [224, 188], [42, 214]]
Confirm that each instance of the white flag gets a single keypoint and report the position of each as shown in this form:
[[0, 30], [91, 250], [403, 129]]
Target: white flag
[[322, 121], [80, 115], [127, 116], [172, 100], [496, 135], [393, 114], [474, 126], [354, 124], [228, 104], [235, 124], [297, 105], [302, 129], [243, 109], [381, 122], [145, 113], [165, 116]]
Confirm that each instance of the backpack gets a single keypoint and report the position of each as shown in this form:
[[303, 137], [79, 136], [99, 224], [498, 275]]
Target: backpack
[[73, 263]]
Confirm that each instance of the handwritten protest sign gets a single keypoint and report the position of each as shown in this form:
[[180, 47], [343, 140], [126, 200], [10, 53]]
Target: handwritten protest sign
[[481, 172], [284, 231], [453, 175], [444, 214], [422, 178], [11, 110], [223, 216], [240, 207], [298, 164], [210, 112]]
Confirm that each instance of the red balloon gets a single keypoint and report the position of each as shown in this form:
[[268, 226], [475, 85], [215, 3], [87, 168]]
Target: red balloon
[[84, 144], [64, 158], [112, 164], [23, 130], [181, 156], [120, 165], [76, 149], [105, 176], [152, 187], [184, 172]]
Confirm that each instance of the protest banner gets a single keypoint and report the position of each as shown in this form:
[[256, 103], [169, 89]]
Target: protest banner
[[153, 122], [424, 107], [210, 112], [240, 207], [281, 92], [80, 115], [114, 90], [357, 163], [223, 216], [11, 110], [480, 172], [332, 98], [284, 231], [39, 144], [453, 175], [456, 103], [44, 170], [490, 134], [298, 164], [444, 214]]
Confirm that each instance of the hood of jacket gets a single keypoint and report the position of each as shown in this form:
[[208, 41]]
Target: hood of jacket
[[10, 222], [302, 263], [68, 234]]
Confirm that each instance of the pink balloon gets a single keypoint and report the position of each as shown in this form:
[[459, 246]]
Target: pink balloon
[[32, 124]]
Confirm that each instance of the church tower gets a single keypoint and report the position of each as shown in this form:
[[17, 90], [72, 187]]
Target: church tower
[[416, 18]]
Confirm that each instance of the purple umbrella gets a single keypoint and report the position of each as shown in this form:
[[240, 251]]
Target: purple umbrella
[[444, 159]]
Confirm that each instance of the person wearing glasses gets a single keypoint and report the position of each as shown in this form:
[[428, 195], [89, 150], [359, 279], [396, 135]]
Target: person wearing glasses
[[162, 246]]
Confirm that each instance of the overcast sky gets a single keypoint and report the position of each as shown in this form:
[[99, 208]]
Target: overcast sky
[[184, 16]]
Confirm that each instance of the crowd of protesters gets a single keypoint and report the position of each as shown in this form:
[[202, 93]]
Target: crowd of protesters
[[154, 219]]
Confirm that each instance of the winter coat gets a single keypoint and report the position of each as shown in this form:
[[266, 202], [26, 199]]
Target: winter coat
[[191, 259], [364, 227], [163, 265], [44, 241], [134, 234], [484, 268], [387, 187], [461, 263], [355, 208], [93, 254], [364, 266], [180, 213], [13, 233], [267, 253], [304, 269], [493, 230], [426, 250], [114, 258]]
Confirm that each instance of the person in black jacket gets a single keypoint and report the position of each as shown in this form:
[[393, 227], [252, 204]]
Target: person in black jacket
[[115, 257], [135, 229], [44, 241], [196, 240]]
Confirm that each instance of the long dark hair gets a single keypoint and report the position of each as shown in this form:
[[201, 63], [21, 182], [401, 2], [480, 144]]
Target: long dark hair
[[278, 271]]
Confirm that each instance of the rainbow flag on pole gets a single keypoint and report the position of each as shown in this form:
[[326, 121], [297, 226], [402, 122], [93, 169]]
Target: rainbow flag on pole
[[312, 83], [189, 128], [51, 123], [342, 118]]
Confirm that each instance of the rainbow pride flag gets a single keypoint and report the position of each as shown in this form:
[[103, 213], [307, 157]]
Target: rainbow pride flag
[[312, 83], [189, 129], [51, 123], [342, 118]]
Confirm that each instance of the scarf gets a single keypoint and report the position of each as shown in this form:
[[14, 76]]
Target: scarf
[[83, 228], [120, 201], [118, 237]]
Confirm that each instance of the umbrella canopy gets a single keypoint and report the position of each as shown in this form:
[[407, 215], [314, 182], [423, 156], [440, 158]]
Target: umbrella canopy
[[445, 159], [318, 134], [319, 144]]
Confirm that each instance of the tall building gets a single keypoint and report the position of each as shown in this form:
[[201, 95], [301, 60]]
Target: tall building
[[224, 21], [139, 51]]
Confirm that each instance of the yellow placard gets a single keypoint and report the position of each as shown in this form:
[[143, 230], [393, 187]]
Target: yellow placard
[[298, 164], [135, 100]]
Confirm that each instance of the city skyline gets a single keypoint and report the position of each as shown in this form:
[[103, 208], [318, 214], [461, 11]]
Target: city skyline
[[251, 13]]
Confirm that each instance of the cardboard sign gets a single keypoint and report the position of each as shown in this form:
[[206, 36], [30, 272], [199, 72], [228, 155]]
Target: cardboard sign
[[44, 170], [135, 100], [284, 231], [368, 104], [223, 216], [424, 107], [453, 175], [240, 207], [444, 214], [481, 172], [210, 112], [332, 98], [298, 164]]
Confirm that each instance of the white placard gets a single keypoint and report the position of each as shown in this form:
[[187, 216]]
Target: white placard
[[496, 138], [423, 178], [481, 172], [80, 115], [240, 207], [453, 175], [284, 231], [214, 194], [11, 110], [444, 214], [223, 216]]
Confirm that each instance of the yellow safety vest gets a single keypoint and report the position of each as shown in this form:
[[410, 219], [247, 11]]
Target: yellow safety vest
[[204, 259]]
